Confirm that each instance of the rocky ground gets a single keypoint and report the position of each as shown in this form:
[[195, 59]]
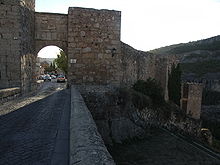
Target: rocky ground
[[160, 148]]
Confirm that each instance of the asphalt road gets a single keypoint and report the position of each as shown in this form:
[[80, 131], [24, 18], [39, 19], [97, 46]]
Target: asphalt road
[[37, 133]]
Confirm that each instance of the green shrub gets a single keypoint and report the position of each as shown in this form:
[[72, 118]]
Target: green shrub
[[202, 67], [216, 144], [174, 84], [139, 100], [213, 126], [188, 47], [210, 97], [152, 89]]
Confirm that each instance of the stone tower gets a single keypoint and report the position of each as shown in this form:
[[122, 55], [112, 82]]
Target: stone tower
[[191, 99], [94, 46], [17, 43]]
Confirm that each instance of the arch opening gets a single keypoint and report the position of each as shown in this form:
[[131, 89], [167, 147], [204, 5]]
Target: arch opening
[[51, 65]]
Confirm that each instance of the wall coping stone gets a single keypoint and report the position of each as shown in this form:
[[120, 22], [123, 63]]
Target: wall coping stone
[[7, 92], [86, 144], [46, 13]]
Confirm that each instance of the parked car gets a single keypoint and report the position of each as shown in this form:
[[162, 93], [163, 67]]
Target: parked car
[[47, 78], [53, 77], [41, 77], [61, 78]]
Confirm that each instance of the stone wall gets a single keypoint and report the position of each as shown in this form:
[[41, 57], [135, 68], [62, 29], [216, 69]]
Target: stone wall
[[10, 44], [139, 65], [28, 4], [176, 122], [9, 94], [113, 121], [118, 119], [94, 46], [90, 38], [17, 43], [86, 144], [50, 29], [136, 65], [27, 46]]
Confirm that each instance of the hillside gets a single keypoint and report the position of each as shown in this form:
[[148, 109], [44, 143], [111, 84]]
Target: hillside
[[199, 59]]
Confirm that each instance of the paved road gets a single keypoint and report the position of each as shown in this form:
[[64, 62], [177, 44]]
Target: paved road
[[37, 134]]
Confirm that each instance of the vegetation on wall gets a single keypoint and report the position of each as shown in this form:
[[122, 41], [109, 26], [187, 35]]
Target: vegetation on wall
[[153, 97], [210, 44], [210, 97], [139, 100], [201, 68], [174, 84], [189, 47], [152, 89], [62, 62]]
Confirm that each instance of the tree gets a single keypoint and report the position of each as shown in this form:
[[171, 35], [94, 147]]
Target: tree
[[174, 84], [50, 68], [61, 61]]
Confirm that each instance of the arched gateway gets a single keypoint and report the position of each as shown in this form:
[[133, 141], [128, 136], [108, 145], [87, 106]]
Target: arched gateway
[[90, 37]]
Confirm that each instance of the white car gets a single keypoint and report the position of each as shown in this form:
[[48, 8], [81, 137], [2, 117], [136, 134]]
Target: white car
[[47, 78]]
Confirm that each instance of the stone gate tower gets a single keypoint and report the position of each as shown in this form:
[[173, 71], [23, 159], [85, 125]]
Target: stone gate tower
[[89, 37], [17, 43], [94, 46]]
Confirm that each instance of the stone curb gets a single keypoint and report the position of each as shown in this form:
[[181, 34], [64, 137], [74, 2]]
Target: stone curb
[[9, 94], [86, 144]]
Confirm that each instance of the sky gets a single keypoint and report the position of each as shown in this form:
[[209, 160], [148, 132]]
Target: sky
[[150, 24]]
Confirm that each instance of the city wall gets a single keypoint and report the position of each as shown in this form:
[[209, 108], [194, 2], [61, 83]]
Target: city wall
[[17, 43], [50, 29], [86, 144], [139, 65], [90, 38], [94, 46]]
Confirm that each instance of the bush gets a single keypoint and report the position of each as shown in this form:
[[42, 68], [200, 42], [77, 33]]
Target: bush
[[174, 84], [139, 100], [210, 97], [201, 67], [152, 89]]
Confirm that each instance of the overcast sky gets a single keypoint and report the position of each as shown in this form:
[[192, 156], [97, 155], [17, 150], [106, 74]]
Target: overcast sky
[[150, 24]]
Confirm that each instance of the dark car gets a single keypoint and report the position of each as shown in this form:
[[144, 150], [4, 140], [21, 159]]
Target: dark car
[[61, 78]]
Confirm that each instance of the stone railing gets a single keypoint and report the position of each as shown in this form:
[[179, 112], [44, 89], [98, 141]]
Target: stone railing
[[9, 94], [86, 144]]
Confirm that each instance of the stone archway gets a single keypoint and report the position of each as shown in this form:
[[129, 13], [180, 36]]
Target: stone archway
[[50, 29]]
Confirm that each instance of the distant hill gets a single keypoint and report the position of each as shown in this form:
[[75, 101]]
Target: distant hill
[[209, 44], [199, 59], [48, 60]]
